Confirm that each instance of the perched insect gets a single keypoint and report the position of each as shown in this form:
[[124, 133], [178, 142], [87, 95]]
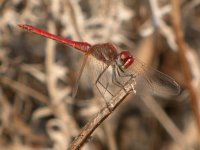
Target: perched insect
[[116, 68]]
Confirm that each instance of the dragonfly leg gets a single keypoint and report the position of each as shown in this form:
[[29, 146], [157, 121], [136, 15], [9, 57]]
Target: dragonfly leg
[[97, 81], [106, 88], [115, 79], [126, 74]]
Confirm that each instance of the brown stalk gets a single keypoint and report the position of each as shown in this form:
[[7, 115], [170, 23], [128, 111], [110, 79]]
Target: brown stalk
[[73, 18], [176, 22], [58, 109], [89, 128], [166, 121]]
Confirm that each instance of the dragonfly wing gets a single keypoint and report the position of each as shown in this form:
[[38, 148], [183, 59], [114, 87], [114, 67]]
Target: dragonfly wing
[[153, 81], [162, 84], [97, 68], [75, 89]]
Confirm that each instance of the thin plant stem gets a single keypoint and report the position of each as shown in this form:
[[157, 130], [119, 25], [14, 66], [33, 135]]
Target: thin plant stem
[[176, 22], [90, 127]]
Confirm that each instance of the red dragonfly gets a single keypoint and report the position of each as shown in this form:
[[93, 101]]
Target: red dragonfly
[[116, 68]]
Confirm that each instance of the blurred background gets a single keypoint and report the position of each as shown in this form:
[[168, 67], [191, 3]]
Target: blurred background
[[37, 75]]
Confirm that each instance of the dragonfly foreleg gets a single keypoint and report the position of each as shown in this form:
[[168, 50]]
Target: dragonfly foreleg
[[124, 74], [115, 79], [131, 76]]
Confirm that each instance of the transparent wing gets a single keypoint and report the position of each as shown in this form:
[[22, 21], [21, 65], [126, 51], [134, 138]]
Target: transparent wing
[[94, 72], [75, 88], [100, 73], [148, 80], [153, 81]]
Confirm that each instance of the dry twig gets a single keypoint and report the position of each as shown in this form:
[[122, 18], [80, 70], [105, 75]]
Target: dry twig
[[98, 119], [165, 121], [176, 21]]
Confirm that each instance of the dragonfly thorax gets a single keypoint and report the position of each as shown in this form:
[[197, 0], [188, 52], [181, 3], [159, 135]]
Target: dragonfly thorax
[[125, 59]]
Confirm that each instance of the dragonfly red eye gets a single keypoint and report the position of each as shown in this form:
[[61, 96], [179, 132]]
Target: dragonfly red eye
[[126, 58]]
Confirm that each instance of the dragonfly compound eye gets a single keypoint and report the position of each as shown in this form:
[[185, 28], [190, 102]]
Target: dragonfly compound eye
[[126, 59]]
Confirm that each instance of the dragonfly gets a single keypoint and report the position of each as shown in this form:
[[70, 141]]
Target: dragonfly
[[115, 68]]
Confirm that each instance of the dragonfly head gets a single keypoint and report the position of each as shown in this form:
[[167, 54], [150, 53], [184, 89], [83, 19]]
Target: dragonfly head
[[125, 59]]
